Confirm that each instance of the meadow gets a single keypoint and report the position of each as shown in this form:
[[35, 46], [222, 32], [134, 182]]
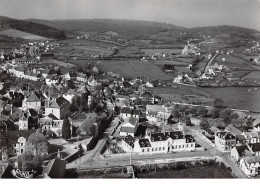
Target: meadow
[[59, 63], [21, 34]]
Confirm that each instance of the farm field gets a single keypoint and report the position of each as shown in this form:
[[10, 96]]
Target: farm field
[[59, 63], [253, 76], [92, 50], [21, 34], [130, 68], [167, 51], [173, 62], [232, 62]]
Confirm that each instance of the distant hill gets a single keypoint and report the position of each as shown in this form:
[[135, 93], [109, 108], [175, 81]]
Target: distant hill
[[31, 27], [224, 29], [130, 28]]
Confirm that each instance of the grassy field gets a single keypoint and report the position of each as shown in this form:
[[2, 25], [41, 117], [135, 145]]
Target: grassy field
[[130, 68], [93, 50], [167, 51], [253, 76], [59, 63], [21, 34], [232, 62]]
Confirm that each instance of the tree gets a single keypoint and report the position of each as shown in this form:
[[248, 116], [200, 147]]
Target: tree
[[218, 103], [75, 103], [28, 161], [37, 143], [194, 110], [204, 124], [214, 112], [202, 111], [225, 115], [233, 115], [187, 120], [88, 125], [176, 114], [183, 109], [66, 131]]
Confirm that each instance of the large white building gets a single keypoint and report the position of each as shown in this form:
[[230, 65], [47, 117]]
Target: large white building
[[159, 143]]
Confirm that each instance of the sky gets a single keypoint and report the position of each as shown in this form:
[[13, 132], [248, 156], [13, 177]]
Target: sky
[[187, 13]]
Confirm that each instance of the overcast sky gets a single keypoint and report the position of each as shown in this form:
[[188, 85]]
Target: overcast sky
[[188, 13]]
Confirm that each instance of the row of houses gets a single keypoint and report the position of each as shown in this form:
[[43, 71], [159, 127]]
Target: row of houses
[[166, 142]]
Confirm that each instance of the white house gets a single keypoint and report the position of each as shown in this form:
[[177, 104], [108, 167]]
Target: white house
[[225, 141], [18, 140], [251, 137], [81, 77], [58, 107], [250, 165], [33, 102], [165, 143], [125, 113], [129, 127]]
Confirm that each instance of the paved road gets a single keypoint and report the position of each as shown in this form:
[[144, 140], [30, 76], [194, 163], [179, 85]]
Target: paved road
[[93, 159], [89, 156]]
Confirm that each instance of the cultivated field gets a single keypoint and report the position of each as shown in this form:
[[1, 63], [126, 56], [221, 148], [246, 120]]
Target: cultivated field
[[58, 62], [21, 34], [167, 51], [253, 76], [232, 62]]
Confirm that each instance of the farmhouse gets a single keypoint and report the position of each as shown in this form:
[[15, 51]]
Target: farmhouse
[[58, 107]]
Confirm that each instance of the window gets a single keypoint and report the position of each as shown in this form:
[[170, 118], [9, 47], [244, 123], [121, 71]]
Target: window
[[155, 148], [159, 148], [147, 149], [191, 145], [187, 145], [142, 150], [152, 149], [183, 146], [179, 146], [172, 147], [21, 144], [163, 148]]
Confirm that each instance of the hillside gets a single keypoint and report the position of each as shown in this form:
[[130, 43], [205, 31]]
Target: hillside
[[223, 29], [20, 34], [31, 27], [130, 28]]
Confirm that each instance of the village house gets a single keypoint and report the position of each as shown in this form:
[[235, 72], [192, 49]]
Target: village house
[[92, 82], [251, 137], [59, 107], [51, 79], [50, 122], [33, 102], [18, 140], [71, 76], [165, 143], [129, 127], [225, 141], [255, 148], [239, 152], [127, 143], [233, 130], [81, 77], [257, 127], [250, 165]]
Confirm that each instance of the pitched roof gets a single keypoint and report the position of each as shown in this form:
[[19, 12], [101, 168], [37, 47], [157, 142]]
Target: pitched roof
[[241, 150], [125, 110], [144, 143], [189, 139], [155, 108], [129, 140], [252, 159], [33, 98], [136, 112], [214, 129], [233, 130], [255, 147], [55, 168], [127, 129], [225, 135], [240, 137], [132, 120]]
